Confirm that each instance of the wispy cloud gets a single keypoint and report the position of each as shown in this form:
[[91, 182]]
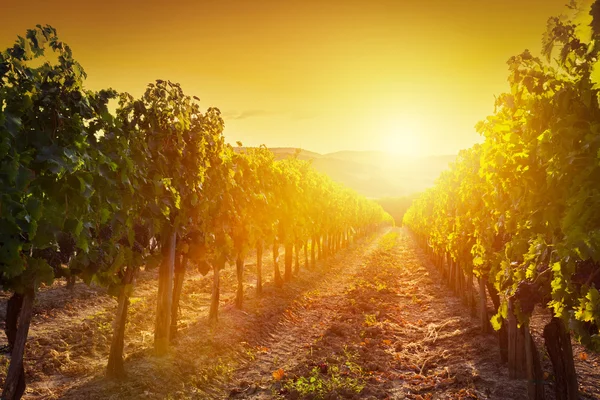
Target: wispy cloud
[[247, 114], [253, 113]]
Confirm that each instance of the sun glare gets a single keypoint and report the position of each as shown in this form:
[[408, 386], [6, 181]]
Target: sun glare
[[403, 137]]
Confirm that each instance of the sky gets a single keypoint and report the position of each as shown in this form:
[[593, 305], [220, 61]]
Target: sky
[[402, 76]]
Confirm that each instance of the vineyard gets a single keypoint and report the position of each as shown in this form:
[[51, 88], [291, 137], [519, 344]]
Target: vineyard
[[520, 212], [142, 256], [99, 196]]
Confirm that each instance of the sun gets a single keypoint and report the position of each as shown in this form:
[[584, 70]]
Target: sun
[[402, 143], [403, 136]]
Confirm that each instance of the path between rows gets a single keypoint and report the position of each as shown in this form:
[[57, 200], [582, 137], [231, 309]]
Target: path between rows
[[310, 318], [70, 336], [371, 322], [384, 328]]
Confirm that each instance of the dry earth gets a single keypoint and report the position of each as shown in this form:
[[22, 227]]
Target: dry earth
[[374, 321]]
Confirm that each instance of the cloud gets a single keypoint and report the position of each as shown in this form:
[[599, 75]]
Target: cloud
[[253, 113], [247, 114]]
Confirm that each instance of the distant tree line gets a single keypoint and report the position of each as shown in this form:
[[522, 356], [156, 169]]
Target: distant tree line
[[397, 206]]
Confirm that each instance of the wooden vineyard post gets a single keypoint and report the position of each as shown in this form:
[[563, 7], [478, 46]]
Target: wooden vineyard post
[[259, 256], [516, 346], [306, 264], [13, 310], [483, 316], [165, 295], [297, 247], [218, 265], [520, 360], [512, 341], [277, 280], [470, 295], [558, 344], [460, 281], [180, 267], [503, 332], [115, 368], [313, 243], [239, 268], [534, 373], [319, 248], [14, 386], [452, 280], [288, 259]]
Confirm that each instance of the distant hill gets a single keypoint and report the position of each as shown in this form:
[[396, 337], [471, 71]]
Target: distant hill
[[282, 152], [375, 174], [367, 157]]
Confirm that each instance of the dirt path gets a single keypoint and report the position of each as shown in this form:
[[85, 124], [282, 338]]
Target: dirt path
[[388, 329], [385, 329], [70, 334], [372, 322], [309, 319]]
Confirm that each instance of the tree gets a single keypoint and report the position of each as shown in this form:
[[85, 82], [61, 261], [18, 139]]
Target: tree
[[48, 123]]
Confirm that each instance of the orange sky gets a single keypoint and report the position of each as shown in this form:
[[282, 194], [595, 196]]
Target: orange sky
[[411, 77]]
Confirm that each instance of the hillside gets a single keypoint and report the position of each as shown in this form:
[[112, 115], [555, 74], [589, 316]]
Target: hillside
[[375, 174]]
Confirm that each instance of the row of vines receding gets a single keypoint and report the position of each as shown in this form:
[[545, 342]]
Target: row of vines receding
[[99, 184], [521, 211]]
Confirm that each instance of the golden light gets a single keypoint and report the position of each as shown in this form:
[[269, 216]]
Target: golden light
[[402, 135]]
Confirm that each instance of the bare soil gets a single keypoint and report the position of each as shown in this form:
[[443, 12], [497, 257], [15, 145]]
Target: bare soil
[[372, 322]]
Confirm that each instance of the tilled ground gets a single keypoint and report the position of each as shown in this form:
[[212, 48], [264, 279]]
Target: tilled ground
[[385, 329], [372, 322], [69, 339]]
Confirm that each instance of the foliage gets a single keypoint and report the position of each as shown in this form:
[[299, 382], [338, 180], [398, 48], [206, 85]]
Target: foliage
[[336, 379], [87, 193], [50, 170], [522, 208], [397, 206]]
